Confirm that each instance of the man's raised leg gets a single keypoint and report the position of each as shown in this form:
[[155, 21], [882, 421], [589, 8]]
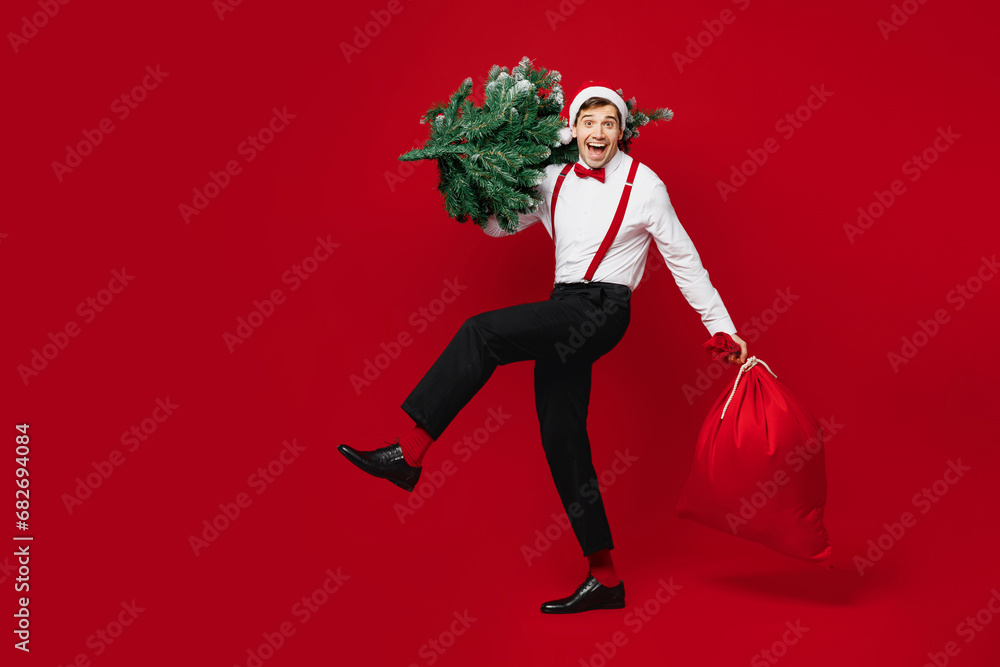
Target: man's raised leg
[[484, 341]]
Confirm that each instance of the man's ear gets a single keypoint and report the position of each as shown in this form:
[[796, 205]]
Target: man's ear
[[573, 130]]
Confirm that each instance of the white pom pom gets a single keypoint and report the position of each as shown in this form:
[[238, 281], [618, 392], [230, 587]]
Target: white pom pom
[[565, 135]]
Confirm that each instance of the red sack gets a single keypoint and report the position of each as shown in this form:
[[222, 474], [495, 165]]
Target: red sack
[[759, 470]]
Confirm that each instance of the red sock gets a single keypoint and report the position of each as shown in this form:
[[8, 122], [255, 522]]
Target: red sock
[[602, 568], [415, 444]]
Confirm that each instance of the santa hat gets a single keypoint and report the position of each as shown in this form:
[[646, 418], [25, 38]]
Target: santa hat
[[588, 90]]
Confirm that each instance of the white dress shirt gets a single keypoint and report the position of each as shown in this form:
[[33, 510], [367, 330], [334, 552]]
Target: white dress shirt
[[585, 210]]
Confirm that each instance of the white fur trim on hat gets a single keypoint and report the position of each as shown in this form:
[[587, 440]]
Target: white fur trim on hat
[[597, 91]]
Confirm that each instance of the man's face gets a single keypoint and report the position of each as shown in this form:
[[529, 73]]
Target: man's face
[[597, 133]]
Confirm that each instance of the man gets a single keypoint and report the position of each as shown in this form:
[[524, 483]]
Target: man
[[587, 314]]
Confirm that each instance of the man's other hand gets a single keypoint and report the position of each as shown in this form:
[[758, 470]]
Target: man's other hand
[[732, 358]]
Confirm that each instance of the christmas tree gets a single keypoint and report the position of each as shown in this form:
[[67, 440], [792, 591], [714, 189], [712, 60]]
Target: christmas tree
[[491, 157]]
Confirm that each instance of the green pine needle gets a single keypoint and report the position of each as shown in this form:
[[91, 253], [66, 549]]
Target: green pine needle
[[491, 157]]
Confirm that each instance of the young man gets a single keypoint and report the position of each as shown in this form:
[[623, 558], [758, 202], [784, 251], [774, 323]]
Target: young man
[[585, 317]]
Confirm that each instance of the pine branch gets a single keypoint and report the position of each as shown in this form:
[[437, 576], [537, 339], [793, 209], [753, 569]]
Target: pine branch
[[492, 157]]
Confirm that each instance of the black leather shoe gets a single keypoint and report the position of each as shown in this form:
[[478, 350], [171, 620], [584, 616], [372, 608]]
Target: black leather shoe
[[591, 594], [385, 462]]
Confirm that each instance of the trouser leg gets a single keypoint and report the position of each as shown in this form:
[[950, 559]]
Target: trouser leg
[[562, 397], [565, 335], [494, 338]]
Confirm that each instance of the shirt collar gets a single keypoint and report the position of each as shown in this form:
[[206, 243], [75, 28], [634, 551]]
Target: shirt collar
[[612, 164]]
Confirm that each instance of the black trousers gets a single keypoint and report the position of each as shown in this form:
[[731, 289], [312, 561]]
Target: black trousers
[[564, 336]]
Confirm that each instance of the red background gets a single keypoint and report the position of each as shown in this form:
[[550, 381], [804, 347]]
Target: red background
[[325, 175]]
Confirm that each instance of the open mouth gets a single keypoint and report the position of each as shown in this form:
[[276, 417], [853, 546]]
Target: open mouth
[[595, 149]]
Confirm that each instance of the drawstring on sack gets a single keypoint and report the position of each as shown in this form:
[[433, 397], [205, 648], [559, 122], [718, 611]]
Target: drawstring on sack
[[750, 363]]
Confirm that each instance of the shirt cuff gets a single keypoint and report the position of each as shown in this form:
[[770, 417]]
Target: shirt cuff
[[492, 228]]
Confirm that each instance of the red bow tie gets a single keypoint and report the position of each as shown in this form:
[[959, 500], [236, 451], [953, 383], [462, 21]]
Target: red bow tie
[[583, 172]]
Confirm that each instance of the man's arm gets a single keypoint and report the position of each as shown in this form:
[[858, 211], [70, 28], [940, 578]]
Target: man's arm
[[543, 188], [523, 220], [684, 263]]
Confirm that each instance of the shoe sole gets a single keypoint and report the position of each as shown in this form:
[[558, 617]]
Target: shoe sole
[[609, 605], [402, 485], [357, 464]]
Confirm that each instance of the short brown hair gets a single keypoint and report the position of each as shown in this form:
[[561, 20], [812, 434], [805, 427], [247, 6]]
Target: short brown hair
[[592, 102]]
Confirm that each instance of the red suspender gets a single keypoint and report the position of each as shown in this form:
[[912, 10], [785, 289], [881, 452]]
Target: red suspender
[[555, 196], [615, 224]]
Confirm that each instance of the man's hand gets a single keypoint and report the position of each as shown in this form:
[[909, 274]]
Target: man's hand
[[732, 358]]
